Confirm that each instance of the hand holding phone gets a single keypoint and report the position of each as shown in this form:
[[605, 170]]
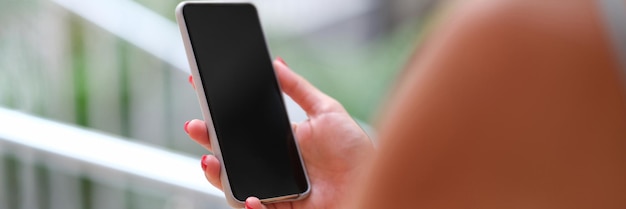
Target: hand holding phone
[[333, 146]]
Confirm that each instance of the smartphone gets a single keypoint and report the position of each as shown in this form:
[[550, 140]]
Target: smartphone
[[242, 102]]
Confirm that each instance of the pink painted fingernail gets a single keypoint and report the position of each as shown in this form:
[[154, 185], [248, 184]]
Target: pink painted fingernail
[[191, 81], [281, 60], [248, 206], [186, 127], [202, 162]]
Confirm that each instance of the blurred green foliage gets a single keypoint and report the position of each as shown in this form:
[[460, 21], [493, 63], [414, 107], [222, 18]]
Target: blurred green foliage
[[358, 77]]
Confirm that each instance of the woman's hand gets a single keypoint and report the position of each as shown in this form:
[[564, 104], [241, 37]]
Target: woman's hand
[[333, 146]]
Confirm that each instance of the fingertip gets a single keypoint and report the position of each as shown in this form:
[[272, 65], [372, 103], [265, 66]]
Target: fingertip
[[278, 67], [196, 129], [211, 167], [195, 126], [212, 163], [301, 91], [281, 60], [254, 203]]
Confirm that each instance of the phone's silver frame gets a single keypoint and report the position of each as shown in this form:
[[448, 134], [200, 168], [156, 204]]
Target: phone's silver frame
[[230, 198]]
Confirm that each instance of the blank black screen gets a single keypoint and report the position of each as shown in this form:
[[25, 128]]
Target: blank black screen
[[245, 103]]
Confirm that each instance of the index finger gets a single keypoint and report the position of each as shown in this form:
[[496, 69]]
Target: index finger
[[311, 99]]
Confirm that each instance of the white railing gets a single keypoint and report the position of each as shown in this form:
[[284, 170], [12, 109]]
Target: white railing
[[111, 160]]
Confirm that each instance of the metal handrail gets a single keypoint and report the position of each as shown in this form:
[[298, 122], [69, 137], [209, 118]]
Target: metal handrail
[[101, 156]]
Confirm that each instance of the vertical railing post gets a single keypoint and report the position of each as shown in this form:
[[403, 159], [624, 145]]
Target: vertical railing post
[[3, 177], [29, 195]]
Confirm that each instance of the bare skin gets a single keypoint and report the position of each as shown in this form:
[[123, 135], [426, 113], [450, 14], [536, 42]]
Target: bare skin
[[511, 104]]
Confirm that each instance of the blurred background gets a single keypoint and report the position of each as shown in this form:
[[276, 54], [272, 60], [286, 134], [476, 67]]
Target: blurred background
[[94, 93]]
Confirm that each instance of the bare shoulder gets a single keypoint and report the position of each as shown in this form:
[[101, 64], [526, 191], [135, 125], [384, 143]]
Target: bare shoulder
[[496, 109]]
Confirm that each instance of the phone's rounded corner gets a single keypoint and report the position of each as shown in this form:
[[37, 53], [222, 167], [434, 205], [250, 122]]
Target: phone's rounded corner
[[308, 189], [228, 192], [180, 6], [232, 200], [306, 193], [178, 12], [249, 3]]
